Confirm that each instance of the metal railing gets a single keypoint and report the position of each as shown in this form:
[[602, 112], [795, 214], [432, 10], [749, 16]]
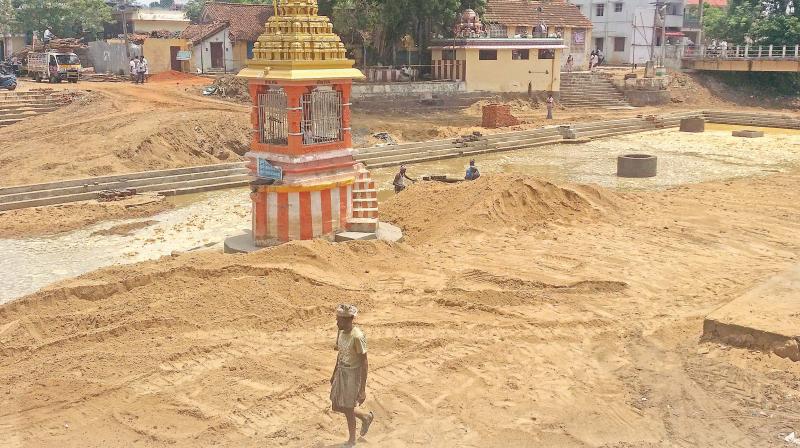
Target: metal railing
[[742, 52]]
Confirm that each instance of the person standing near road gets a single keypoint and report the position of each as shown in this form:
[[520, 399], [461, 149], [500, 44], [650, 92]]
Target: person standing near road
[[349, 378], [142, 69], [134, 70], [550, 103]]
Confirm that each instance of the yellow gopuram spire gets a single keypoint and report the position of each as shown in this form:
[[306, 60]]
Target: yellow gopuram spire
[[299, 44]]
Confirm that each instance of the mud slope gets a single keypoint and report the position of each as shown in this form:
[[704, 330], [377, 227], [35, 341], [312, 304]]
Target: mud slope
[[122, 129], [432, 210]]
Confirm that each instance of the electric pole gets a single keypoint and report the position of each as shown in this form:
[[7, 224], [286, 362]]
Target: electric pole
[[700, 26]]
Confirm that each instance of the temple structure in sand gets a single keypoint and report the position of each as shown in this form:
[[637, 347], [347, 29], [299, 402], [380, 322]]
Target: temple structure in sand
[[306, 181]]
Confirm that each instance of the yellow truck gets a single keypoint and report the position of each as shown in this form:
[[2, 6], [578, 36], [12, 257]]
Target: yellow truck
[[54, 67]]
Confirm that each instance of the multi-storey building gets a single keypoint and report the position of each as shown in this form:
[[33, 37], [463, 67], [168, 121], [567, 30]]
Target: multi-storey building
[[630, 31]]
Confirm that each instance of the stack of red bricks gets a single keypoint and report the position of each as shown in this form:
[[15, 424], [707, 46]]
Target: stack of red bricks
[[498, 116]]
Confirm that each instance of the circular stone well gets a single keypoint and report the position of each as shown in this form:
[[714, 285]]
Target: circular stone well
[[637, 165]]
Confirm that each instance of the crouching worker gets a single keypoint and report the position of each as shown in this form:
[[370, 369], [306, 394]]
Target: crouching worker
[[472, 171], [349, 379], [399, 180]]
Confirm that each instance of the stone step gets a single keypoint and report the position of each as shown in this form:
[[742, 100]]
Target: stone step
[[365, 212], [90, 187], [121, 177], [21, 115], [362, 225], [164, 187], [365, 203], [204, 188], [343, 237]]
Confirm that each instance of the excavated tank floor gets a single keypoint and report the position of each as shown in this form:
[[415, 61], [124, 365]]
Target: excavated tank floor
[[205, 220]]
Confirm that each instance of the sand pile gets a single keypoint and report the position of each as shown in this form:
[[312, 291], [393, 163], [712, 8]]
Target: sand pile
[[519, 106], [588, 337], [431, 209], [51, 220], [121, 129]]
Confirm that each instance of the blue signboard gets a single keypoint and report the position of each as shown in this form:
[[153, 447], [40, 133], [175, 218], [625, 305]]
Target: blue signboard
[[184, 55], [267, 171]]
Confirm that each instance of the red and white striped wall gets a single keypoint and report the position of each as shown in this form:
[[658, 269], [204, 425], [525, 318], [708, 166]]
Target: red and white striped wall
[[300, 213]]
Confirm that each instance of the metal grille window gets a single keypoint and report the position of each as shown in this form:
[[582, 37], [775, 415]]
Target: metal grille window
[[322, 116], [273, 120]]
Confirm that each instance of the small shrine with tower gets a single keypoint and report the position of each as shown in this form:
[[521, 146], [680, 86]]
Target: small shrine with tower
[[306, 182]]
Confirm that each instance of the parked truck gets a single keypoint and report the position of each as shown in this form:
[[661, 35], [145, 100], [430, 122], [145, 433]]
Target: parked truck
[[54, 67]]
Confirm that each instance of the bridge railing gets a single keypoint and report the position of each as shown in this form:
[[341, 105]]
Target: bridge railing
[[742, 52]]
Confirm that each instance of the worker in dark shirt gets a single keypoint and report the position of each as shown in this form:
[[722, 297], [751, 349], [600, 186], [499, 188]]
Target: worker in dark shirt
[[472, 171], [399, 183]]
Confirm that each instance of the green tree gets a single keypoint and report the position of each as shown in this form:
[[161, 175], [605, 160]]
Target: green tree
[[6, 15], [166, 4], [68, 18]]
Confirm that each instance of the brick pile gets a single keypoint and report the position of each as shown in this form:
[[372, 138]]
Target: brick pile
[[498, 116]]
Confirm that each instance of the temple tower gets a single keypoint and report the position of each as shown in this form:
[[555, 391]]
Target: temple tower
[[301, 154]]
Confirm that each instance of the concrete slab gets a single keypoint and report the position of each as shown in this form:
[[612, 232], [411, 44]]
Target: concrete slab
[[766, 318], [748, 134], [695, 124], [240, 244]]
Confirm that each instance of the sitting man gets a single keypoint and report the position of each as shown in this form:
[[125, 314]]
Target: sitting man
[[472, 171]]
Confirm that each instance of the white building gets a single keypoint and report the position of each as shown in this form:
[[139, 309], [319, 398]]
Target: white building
[[625, 29], [146, 20]]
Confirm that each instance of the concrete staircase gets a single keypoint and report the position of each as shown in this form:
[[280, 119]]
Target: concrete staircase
[[363, 225], [165, 182], [378, 157], [590, 90], [17, 106]]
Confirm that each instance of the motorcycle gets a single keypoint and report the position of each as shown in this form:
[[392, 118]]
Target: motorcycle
[[8, 80]]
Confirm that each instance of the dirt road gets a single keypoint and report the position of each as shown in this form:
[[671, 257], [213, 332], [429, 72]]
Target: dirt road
[[533, 315]]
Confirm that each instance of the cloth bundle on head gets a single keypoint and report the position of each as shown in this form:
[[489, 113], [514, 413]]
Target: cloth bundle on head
[[345, 310]]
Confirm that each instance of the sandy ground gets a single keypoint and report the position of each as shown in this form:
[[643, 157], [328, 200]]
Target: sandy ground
[[121, 128], [55, 219], [518, 313]]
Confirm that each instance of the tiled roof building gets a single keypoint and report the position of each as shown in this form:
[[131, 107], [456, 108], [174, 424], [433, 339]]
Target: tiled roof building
[[223, 40], [246, 21], [555, 13]]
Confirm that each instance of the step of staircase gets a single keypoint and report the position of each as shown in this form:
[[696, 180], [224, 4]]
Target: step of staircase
[[362, 225], [343, 237]]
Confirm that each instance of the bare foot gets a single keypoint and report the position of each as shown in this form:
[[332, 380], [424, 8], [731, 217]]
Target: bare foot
[[366, 423]]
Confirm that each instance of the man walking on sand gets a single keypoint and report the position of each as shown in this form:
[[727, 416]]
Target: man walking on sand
[[349, 379], [550, 103]]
